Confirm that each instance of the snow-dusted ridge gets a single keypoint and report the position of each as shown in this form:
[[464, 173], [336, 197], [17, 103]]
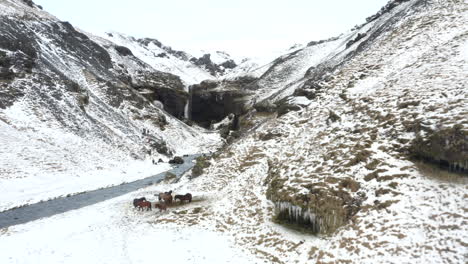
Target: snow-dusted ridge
[[157, 56]]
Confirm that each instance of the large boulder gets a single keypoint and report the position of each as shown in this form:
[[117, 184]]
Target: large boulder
[[176, 160], [123, 51]]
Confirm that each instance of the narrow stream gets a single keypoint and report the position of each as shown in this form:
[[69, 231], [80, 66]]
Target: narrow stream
[[49, 208]]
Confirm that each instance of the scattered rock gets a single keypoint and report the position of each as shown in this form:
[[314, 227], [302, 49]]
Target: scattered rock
[[359, 36], [269, 136], [123, 51], [176, 160]]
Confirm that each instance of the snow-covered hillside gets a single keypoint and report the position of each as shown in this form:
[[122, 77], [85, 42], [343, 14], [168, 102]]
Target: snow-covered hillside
[[69, 116], [158, 56], [191, 68], [342, 167], [368, 165]]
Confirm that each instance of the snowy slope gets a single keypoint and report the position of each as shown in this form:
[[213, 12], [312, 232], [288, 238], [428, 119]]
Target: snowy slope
[[68, 122], [343, 163], [334, 182], [157, 56], [114, 232], [282, 76]]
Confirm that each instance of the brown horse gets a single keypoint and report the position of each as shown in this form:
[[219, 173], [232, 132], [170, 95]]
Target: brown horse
[[166, 197], [161, 206], [186, 197], [142, 204], [137, 200]]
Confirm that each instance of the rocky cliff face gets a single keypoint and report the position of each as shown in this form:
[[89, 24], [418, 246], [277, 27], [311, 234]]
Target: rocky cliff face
[[172, 93], [60, 86], [212, 101]]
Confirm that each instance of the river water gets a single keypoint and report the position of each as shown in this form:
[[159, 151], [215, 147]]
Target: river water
[[49, 208]]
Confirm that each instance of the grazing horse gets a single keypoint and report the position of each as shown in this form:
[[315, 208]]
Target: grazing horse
[[136, 201], [166, 197], [186, 197], [161, 206], [141, 205]]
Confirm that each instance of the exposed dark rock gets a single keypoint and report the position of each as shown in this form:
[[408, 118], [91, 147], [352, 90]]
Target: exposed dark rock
[[265, 106], [229, 64], [165, 88], [84, 48], [228, 124], [211, 101], [6, 74], [322, 210], [15, 38], [407, 104], [176, 53], [201, 164], [310, 89], [162, 55], [359, 36], [176, 160], [269, 136], [313, 43], [285, 106], [206, 62], [333, 117], [245, 82], [29, 2], [161, 147], [8, 95], [123, 51], [385, 9], [147, 41], [447, 147], [212, 67]]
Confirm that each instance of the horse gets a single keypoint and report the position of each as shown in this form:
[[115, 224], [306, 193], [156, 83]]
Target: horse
[[136, 201], [186, 197], [141, 205], [161, 206], [166, 197]]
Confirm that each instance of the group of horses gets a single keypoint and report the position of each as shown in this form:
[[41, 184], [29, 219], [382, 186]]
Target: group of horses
[[164, 198]]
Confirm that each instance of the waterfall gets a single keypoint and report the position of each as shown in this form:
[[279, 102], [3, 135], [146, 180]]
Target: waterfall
[[188, 105], [186, 110]]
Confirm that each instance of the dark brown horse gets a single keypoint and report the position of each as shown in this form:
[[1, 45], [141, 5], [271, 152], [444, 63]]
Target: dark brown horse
[[137, 200], [141, 205], [166, 197], [161, 206], [186, 197]]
